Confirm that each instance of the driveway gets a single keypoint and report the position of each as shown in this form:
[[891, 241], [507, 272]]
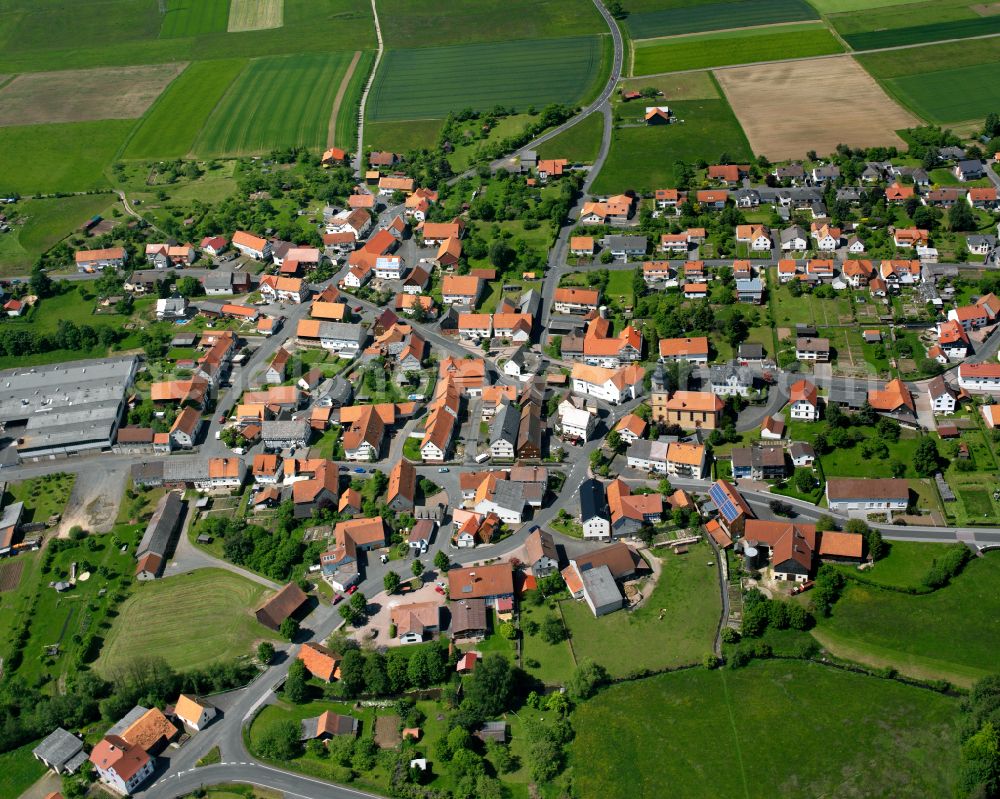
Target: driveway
[[382, 618]]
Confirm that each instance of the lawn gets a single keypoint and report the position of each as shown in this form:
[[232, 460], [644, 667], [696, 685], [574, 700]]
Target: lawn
[[411, 23], [71, 305], [46, 222], [276, 102], [428, 82], [950, 634], [733, 47], [173, 122], [643, 158], [192, 17], [160, 617], [716, 16], [904, 567], [687, 593], [580, 144], [464, 152], [60, 158], [729, 733], [676, 86], [20, 770], [620, 289], [555, 661]]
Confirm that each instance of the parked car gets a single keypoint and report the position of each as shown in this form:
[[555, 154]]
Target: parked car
[[337, 598], [357, 309], [359, 470], [352, 589], [343, 469], [444, 469]]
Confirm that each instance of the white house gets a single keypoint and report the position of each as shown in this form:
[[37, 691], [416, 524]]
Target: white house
[[943, 399], [979, 377], [594, 515], [122, 766], [193, 713], [803, 401], [611, 385], [867, 494], [576, 423], [252, 246], [389, 267]]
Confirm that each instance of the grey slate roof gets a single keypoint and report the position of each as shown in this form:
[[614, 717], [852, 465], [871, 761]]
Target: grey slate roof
[[58, 747], [593, 500], [505, 424], [626, 243], [290, 430], [599, 584], [162, 525]]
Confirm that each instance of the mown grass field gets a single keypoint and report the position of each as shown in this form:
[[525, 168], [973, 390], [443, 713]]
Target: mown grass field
[[413, 23], [427, 83], [37, 37], [950, 634], [189, 620], [643, 158], [581, 143], [192, 17], [401, 137], [688, 594], [47, 222], [840, 6], [716, 16], [730, 733], [732, 47], [276, 102], [60, 158], [173, 122]]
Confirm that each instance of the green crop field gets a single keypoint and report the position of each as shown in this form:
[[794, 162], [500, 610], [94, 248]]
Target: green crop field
[[920, 60], [731, 733], [403, 136], [46, 222], [412, 23], [173, 122], [948, 96], [580, 143], [189, 620], [60, 158], [427, 83], [950, 634], [919, 22], [126, 32], [716, 16], [192, 17], [276, 102], [842, 6], [732, 47], [643, 158], [687, 591], [346, 127]]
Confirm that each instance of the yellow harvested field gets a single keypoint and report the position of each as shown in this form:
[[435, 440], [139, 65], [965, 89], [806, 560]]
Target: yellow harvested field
[[255, 15], [82, 95], [790, 108]]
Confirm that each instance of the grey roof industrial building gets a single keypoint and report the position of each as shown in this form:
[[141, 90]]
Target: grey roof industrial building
[[66, 407]]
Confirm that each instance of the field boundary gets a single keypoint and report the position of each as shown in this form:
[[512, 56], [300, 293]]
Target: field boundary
[[138, 123], [331, 131]]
